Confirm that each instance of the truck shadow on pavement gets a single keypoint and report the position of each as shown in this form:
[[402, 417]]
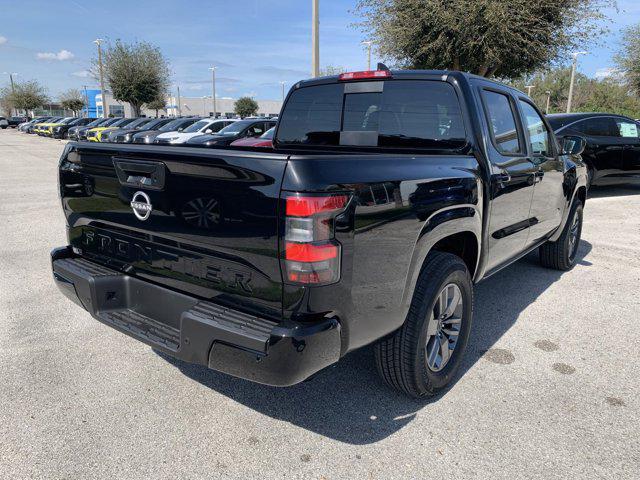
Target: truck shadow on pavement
[[348, 402], [614, 191]]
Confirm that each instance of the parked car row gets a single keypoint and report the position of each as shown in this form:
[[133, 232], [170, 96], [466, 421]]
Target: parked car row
[[12, 122], [612, 154], [206, 132]]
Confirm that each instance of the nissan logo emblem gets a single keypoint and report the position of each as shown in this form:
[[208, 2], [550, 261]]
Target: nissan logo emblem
[[141, 205]]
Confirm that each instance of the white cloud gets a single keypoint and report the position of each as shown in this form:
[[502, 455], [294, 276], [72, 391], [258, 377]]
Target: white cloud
[[60, 56], [82, 74], [606, 72], [3, 40]]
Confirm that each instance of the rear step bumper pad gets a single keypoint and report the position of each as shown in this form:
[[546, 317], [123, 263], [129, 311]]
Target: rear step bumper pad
[[197, 331]]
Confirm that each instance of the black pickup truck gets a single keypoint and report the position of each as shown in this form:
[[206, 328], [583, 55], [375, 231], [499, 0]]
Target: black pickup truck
[[387, 195]]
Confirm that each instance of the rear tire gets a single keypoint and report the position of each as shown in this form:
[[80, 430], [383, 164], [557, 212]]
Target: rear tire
[[405, 359], [561, 254], [590, 175]]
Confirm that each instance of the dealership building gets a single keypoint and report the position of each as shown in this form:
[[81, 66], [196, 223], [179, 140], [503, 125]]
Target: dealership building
[[197, 106]]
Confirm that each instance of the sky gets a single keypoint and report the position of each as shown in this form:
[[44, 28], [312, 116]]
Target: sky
[[255, 44]]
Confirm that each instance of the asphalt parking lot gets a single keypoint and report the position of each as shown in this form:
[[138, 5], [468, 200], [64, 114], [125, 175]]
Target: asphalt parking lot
[[550, 387]]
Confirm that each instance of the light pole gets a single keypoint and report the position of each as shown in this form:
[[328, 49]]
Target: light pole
[[13, 87], [103, 93], [179, 112], [213, 90], [315, 39], [573, 76], [548, 92], [529, 88], [283, 84], [368, 44], [86, 99]]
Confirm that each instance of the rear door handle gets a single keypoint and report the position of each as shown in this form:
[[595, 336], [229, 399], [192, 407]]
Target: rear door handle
[[504, 177], [140, 173]]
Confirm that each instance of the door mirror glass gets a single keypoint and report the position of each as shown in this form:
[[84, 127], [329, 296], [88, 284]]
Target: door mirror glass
[[573, 145]]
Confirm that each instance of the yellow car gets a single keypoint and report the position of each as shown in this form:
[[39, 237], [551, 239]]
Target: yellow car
[[35, 128], [46, 129], [95, 134], [43, 128]]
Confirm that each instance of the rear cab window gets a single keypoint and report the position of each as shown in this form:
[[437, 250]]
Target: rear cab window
[[397, 114]]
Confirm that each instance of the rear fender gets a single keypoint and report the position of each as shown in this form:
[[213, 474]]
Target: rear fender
[[442, 224], [575, 178]]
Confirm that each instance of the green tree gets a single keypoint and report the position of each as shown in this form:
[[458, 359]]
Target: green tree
[[157, 104], [628, 59], [6, 101], [590, 94], [245, 107], [72, 100], [136, 73], [29, 95], [486, 37]]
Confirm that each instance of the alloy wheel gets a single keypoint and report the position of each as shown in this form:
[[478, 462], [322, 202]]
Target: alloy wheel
[[443, 328]]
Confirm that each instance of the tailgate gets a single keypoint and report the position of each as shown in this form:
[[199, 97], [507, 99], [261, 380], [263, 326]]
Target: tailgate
[[201, 221]]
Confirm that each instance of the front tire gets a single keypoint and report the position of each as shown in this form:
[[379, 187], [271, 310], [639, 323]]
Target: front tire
[[561, 254], [421, 358]]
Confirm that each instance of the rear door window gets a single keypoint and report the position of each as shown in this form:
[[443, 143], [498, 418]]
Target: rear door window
[[598, 127], [397, 114], [502, 122], [627, 128]]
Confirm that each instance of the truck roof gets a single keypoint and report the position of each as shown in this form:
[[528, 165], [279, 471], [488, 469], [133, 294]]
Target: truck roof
[[412, 74]]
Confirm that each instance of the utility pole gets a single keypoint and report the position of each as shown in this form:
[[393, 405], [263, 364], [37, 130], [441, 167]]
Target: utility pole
[[282, 83], [213, 90], [13, 89], [315, 39], [103, 93], [368, 43], [548, 92], [86, 99], [179, 106], [529, 88], [573, 77]]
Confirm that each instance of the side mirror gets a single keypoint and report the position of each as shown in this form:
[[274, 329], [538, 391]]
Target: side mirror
[[208, 130], [573, 145], [180, 129]]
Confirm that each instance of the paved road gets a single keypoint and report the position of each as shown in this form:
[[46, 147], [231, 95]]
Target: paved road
[[550, 388]]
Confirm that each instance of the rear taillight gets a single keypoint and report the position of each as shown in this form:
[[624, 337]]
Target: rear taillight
[[364, 75], [311, 252]]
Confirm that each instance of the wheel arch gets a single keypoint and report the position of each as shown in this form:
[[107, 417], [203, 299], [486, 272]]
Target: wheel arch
[[456, 230]]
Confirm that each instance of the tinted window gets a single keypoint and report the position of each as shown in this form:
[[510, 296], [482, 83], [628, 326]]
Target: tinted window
[[537, 130], [138, 122], [502, 122], [598, 127], [627, 128], [196, 127], [157, 123], [407, 113], [216, 127], [235, 127]]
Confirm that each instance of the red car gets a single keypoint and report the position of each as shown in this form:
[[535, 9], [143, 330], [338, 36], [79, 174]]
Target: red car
[[263, 140]]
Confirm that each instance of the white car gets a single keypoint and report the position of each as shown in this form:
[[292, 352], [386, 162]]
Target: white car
[[206, 125], [3, 123]]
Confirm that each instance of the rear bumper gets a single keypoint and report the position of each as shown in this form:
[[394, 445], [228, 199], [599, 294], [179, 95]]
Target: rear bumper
[[198, 331]]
